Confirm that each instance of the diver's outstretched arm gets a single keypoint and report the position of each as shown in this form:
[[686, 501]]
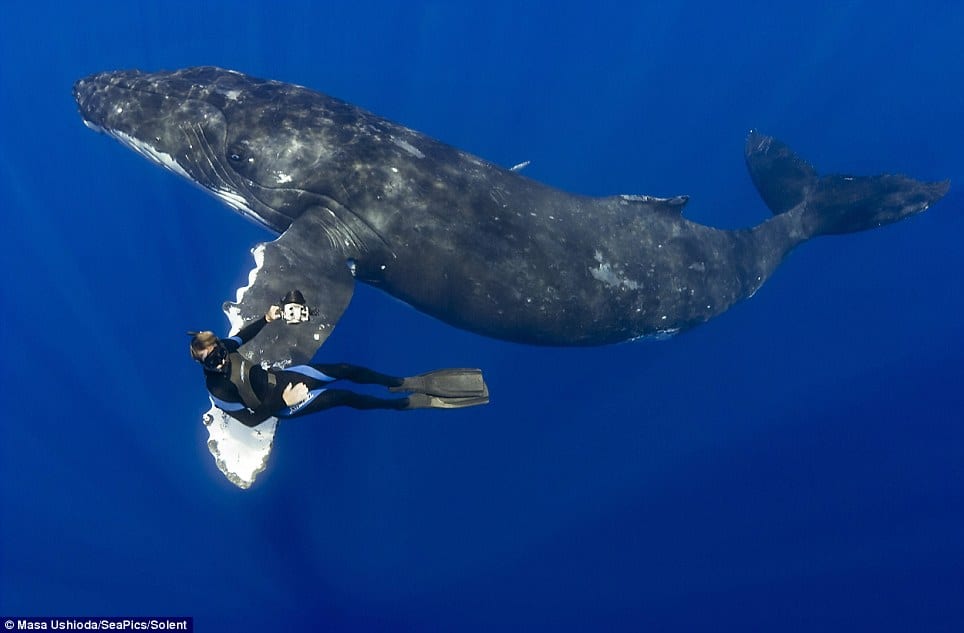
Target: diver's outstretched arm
[[251, 329]]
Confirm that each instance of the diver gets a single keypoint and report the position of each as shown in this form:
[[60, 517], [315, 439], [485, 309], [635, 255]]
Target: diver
[[251, 394]]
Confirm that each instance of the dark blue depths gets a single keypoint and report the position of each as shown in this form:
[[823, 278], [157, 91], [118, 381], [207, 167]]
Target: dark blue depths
[[794, 465]]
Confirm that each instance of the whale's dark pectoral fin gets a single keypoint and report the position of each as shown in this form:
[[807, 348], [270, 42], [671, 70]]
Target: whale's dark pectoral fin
[[836, 203], [294, 261]]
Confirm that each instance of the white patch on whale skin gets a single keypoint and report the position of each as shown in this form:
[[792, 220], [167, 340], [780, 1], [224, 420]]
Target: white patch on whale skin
[[611, 276], [519, 167], [145, 150], [233, 312], [239, 203], [234, 200], [756, 286], [408, 147], [659, 335], [283, 179]]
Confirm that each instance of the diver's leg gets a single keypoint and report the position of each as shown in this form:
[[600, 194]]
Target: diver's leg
[[330, 398], [356, 374]]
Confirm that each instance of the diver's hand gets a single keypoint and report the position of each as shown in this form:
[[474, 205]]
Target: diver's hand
[[295, 394], [274, 312]]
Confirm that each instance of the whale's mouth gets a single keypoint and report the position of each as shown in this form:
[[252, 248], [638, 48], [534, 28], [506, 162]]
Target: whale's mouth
[[215, 182], [92, 100], [144, 149]]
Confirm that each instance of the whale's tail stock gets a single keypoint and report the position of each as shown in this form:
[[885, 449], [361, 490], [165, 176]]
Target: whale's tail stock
[[832, 204]]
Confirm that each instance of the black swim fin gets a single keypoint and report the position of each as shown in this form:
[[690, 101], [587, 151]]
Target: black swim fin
[[446, 383], [425, 401]]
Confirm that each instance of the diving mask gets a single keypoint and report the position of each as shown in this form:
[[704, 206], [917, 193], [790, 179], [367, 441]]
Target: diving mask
[[216, 357]]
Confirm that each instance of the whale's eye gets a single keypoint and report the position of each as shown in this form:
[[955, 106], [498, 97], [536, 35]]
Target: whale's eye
[[237, 152]]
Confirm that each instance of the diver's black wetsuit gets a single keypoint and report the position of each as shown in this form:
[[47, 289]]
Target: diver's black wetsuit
[[226, 396]]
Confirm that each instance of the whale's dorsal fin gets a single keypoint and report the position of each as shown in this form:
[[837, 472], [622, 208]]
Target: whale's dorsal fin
[[673, 206]]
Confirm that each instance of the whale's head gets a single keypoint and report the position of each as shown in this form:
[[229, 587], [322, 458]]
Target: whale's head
[[236, 136]]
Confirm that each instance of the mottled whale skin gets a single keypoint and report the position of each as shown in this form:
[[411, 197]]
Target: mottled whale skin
[[471, 243]]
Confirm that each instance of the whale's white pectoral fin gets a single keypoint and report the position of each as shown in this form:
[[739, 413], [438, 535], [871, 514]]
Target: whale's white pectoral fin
[[300, 259], [294, 261], [240, 452]]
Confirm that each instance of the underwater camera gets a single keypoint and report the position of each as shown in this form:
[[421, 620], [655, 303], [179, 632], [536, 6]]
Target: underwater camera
[[294, 309]]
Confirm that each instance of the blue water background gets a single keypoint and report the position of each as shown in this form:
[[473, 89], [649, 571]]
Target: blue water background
[[797, 464]]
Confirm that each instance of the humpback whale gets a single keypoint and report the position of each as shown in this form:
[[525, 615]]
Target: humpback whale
[[356, 197]]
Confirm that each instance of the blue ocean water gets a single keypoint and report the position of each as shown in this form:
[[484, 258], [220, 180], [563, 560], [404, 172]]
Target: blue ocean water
[[795, 465]]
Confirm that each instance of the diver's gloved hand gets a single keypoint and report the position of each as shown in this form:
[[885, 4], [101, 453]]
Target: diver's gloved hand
[[295, 394], [274, 312]]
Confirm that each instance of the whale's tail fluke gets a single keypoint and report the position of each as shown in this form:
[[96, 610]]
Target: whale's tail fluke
[[833, 204]]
